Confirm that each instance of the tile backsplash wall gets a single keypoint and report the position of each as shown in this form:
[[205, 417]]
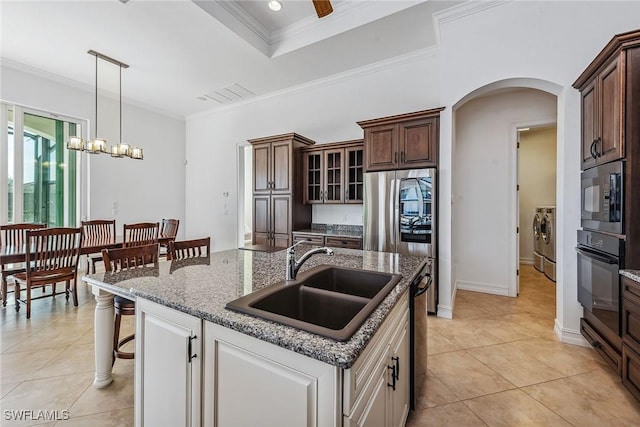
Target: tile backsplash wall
[[337, 214]]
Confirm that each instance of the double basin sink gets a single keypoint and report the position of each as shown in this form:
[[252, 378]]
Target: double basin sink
[[326, 300]]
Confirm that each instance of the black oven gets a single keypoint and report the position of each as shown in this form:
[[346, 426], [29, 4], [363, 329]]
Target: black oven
[[600, 258], [602, 197]]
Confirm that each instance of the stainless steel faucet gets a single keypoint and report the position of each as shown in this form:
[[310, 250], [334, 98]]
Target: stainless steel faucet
[[293, 266]]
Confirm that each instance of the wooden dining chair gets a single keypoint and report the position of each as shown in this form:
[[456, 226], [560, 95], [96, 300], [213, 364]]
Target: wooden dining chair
[[13, 235], [168, 232], [121, 260], [97, 230], [190, 248], [139, 234], [52, 256]]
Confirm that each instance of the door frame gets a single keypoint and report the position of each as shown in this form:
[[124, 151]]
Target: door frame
[[514, 262]]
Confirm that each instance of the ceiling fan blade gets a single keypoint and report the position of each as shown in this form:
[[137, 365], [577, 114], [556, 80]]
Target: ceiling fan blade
[[323, 7]]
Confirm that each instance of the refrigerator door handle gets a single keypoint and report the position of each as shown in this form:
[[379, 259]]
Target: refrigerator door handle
[[396, 213]]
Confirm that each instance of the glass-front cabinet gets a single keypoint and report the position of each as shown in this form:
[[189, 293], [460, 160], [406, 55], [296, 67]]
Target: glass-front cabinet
[[334, 173]]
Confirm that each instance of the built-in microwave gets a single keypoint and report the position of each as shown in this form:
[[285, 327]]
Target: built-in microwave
[[602, 198]]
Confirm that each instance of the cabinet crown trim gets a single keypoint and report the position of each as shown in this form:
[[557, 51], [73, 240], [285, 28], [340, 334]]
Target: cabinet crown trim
[[283, 137], [618, 43], [333, 145], [423, 114]]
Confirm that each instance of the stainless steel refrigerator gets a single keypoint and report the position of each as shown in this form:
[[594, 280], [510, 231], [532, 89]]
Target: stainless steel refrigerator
[[400, 216]]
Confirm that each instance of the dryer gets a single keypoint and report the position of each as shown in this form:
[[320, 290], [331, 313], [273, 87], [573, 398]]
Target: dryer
[[538, 257], [547, 231]]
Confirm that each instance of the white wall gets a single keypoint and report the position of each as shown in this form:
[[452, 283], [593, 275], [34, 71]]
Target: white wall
[[146, 190], [324, 112], [537, 179], [484, 186], [543, 44]]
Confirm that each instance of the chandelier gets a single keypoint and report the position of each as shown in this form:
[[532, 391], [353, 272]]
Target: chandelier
[[99, 145]]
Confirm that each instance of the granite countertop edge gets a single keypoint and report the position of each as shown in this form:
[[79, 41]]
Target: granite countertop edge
[[631, 274], [190, 291], [342, 354]]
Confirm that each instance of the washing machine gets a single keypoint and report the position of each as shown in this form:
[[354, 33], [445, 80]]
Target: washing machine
[[547, 231], [538, 257]]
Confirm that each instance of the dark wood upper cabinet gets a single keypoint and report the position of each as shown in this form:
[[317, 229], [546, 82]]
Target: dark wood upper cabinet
[[406, 141], [603, 93], [277, 189], [333, 173]]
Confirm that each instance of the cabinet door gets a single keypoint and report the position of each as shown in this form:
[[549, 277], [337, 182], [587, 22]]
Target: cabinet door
[[334, 176], [313, 185], [281, 220], [374, 411], [611, 82], [631, 370], [400, 358], [631, 313], [168, 366], [381, 151], [262, 168], [354, 175], [418, 143], [589, 125], [282, 165], [261, 220]]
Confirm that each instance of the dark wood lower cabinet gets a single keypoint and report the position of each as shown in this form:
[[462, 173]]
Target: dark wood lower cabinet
[[606, 350], [631, 370]]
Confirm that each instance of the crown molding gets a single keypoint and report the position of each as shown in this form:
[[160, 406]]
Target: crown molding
[[47, 75], [461, 11], [304, 32], [385, 64]]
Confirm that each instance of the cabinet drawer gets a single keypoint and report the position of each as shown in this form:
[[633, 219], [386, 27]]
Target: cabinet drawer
[[631, 370], [311, 239], [343, 242], [608, 353], [631, 290], [631, 324]]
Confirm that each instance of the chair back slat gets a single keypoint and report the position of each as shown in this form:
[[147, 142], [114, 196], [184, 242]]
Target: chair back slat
[[190, 248], [16, 234], [169, 228], [142, 233], [102, 230], [53, 250], [132, 257]]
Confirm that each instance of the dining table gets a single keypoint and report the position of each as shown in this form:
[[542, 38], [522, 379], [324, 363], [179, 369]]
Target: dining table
[[15, 254]]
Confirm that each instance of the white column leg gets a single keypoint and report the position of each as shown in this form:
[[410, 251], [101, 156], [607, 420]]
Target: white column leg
[[103, 330]]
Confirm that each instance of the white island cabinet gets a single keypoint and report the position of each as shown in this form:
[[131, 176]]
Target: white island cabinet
[[168, 366], [249, 382]]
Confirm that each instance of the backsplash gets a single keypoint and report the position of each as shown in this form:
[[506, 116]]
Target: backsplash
[[337, 214], [337, 227]]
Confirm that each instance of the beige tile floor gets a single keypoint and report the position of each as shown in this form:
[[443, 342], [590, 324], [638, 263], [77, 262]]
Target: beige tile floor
[[497, 363]]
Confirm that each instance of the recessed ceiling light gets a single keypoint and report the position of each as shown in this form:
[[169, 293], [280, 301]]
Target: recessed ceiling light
[[275, 5]]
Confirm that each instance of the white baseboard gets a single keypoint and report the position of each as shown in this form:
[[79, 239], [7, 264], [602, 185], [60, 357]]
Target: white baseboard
[[526, 261], [486, 288], [445, 311], [569, 336]]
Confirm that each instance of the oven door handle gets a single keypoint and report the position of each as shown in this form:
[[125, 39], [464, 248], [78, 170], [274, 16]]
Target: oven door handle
[[597, 256]]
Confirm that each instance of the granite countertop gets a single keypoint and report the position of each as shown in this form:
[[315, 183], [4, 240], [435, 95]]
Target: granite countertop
[[203, 287], [332, 232], [631, 274]]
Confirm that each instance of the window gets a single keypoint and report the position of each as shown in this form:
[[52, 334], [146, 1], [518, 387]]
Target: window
[[41, 177]]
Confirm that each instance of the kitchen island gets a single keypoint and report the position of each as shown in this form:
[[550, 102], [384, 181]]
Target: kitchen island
[[190, 297]]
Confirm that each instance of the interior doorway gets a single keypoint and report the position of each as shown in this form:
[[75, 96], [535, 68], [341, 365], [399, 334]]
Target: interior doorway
[[536, 199]]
